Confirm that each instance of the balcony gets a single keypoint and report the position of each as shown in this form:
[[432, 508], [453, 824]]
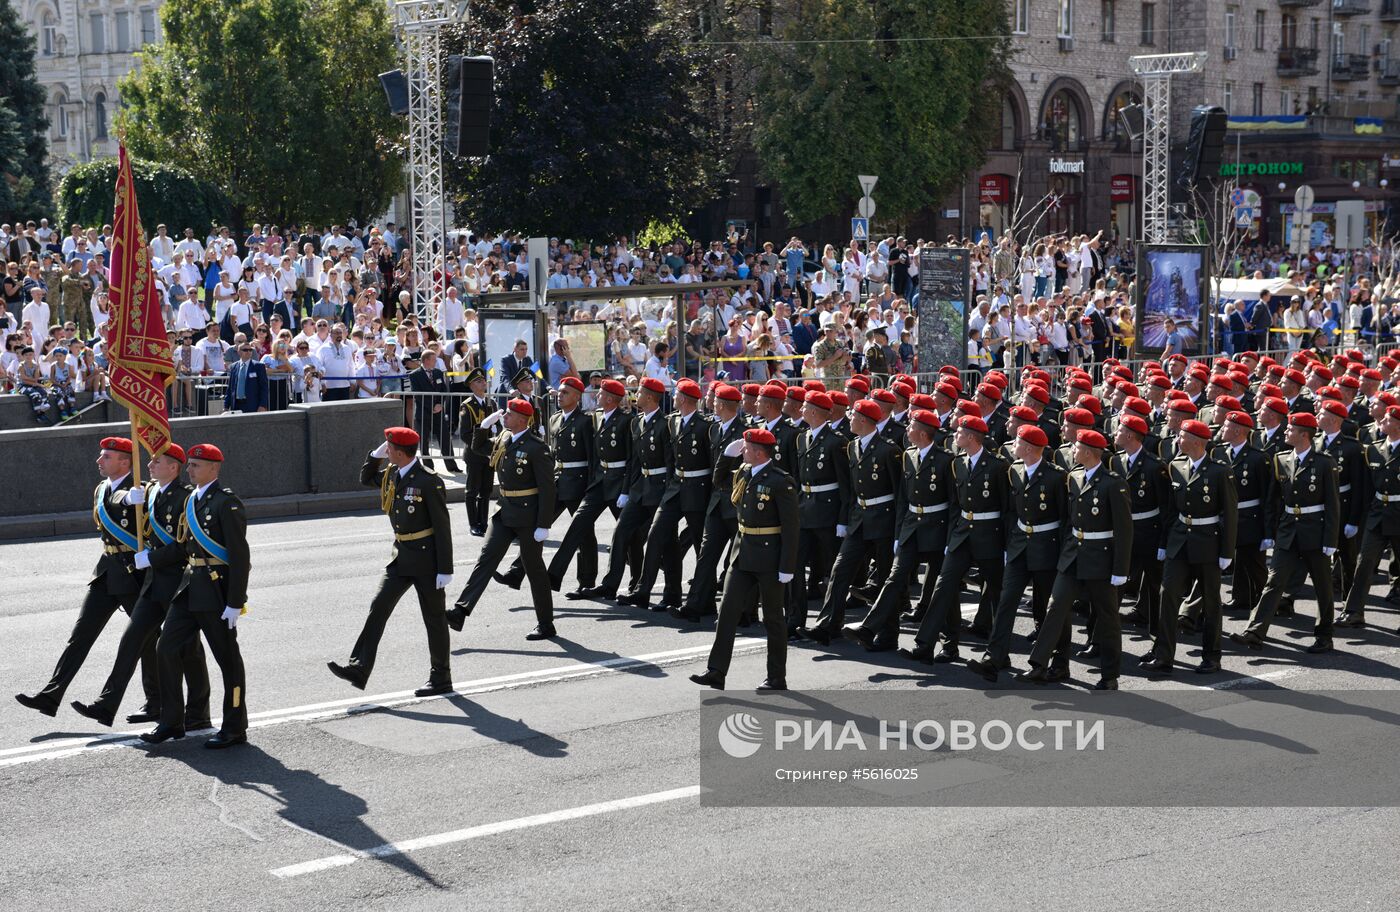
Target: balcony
[[1298, 4], [1351, 67], [1390, 11], [1297, 61], [1344, 8], [1390, 73]]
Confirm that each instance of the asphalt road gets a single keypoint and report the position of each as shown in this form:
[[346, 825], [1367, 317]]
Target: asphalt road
[[564, 775]]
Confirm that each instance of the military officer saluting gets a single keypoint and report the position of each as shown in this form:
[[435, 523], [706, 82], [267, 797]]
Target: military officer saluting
[[726, 441], [213, 595], [1305, 515], [1382, 524], [415, 500], [480, 478], [763, 560], [524, 507]]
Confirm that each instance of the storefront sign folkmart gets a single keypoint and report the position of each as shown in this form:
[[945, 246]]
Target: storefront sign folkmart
[[1066, 166], [1261, 169]]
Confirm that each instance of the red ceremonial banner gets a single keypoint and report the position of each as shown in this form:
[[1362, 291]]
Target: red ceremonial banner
[[140, 360]]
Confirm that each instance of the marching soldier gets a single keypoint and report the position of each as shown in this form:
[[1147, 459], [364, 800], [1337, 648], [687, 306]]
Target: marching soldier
[[889, 429], [1270, 417], [163, 559], [480, 478], [1254, 489], [415, 500], [726, 439], [213, 595], [607, 482], [1382, 493], [763, 562], [1149, 493], [1096, 551], [524, 508], [824, 497], [770, 415], [1304, 513], [1351, 480]]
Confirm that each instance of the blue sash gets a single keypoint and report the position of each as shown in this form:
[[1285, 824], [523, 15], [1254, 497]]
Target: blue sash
[[165, 537], [211, 547], [108, 523]]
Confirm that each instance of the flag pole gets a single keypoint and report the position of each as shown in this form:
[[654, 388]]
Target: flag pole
[[136, 482]]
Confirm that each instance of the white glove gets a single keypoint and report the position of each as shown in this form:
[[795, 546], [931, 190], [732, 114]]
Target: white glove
[[443, 579], [1349, 531], [840, 531], [1161, 554], [735, 448], [1224, 562], [230, 617], [1266, 544], [541, 534], [135, 497], [621, 501], [784, 578], [493, 419], [1117, 580], [381, 451], [1328, 552], [143, 559]]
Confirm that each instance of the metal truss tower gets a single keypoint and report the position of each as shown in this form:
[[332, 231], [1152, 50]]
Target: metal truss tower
[[1155, 71]]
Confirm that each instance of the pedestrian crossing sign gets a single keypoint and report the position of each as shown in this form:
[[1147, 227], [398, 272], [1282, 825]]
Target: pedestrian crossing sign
[[860, 229]]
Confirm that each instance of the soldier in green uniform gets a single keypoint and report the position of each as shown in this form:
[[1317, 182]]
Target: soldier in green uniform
[[1148, 493], [1072, 420], [524, 508], [763, 560], [1095, 554], [1305, 515], [480, 477], [115, 581], [1351, 479], [607, 482], [213, 595], [824, 473], [1382, 493], [1269, 417], [163, 559], [415, 500], [1254, 489], [726, 441]]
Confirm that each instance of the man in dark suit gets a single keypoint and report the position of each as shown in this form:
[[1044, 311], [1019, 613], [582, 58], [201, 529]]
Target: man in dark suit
[[1240, 337], [512, 364], [432, 407], [247, 383], [1261, 319], [480, 477]]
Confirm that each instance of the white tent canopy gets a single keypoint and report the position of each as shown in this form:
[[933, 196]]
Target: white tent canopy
[[1250, 289]]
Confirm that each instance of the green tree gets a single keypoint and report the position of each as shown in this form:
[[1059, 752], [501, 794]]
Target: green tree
[[24, 165], [274, 102], [896, 88], [599, 126], [166, 195]]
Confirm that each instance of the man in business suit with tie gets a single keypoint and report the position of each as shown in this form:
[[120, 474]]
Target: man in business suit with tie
[[247, 383]]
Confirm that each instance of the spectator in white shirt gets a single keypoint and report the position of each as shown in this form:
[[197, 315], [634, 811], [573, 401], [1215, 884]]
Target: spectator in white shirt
[[191, 247], [189, 313], [213, 349], [337, 356], [162, 245]]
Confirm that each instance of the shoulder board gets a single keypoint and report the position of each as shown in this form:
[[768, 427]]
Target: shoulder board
[[228, 491]]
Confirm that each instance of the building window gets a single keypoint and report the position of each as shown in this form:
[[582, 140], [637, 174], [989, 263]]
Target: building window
[[99, 115], [1232, 13], [1149, 23], [1022, 16], [1227, 99], [1064, 121], [1288, 37], [48, 34], [1339, 40], [98, 44], [1315, 34], [1008, 124], [1257, 106], [123, 24], [1260, 18], [1108, 18], [61, 120], [148, 26], [1285, 101], [1066, 19]]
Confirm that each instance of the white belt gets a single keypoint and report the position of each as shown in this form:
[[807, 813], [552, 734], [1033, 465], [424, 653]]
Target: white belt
[[875, 501], [921, 511], [575, 465], [1043, 527], [661, 471], [693, 473], [1303, 511], [981, 517], [614, 465], [1148, 514], [820, 489], [1081, 535], [1190, 521], [1387, 498], [1344, 489], [1246, 504]]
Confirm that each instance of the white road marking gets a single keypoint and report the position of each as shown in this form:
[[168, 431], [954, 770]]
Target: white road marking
[[390, 849], [56, 750]]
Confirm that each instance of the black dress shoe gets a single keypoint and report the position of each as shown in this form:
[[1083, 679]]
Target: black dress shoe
[[508, 579], [817, 635], [35, 703], [145, 715], [882, 646], [1320, 646], [1285, 608], [577, 595], [795, 634], [541, 633], [946, 655], [91, 711], [478, 532], [1207, 666], [1351, 620], [709, 679], [1147, 659], [864, 595], [632, 600], [1034, 675], [1135, 618], [1035, 632], [222, 740], [682, 614], [1091, 651], [857, 633], [1159, 667], [772, 684], [985, 668], [346, 673], [194, 725], [920, 653], [976, 632], [1056, 673], [596, 593], [162, 733], [1248, 638], [433, 690], [456, 618], [1107, 684]]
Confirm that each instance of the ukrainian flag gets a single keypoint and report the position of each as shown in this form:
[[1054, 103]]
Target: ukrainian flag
[[490, 368], [1367, 125]]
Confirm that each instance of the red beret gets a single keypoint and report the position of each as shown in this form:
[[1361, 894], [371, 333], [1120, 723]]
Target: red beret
[[1335, 407], [923, 401], [968, 407], [927, 418], [1275, 404], [688, 387], [1161, 382], [615, 387], [1178, 396], [1227, 404], [401, 436], [1134, 423], [955, 380], [1276, 371], [1393, 412], [1032, 435], [797, 392], [1199, 372], [773, 391], [990, 390], [1294, 375], [1270, 391], [903, 390], [1196, 429], [1303, 419], [1138, 404], [1239, 377], [858, 383], [817, 385], [1329, 392], [1389, 362], [1350, 382], [883, 395], [574, 382], [1222, 362], [869, 409], [523, 406], [1249, 354], [1185, 406], [206, 451], [760, 435], [728, 393], [948, 369], [1023, 412], [1092, 438], [1355, 354], [1079, 416], [1038, 392], [175, 452], [116, 444], [972, 423], [839, 398], [1090, 404], [1240, 418], [653, 385], [1177, 357], [1222, 380], [1324, 373], [905, 379], [1388, 398], [1371, 373], [998, 378], [1080, 382], [752, 389], [819, 399], [947, 389]]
